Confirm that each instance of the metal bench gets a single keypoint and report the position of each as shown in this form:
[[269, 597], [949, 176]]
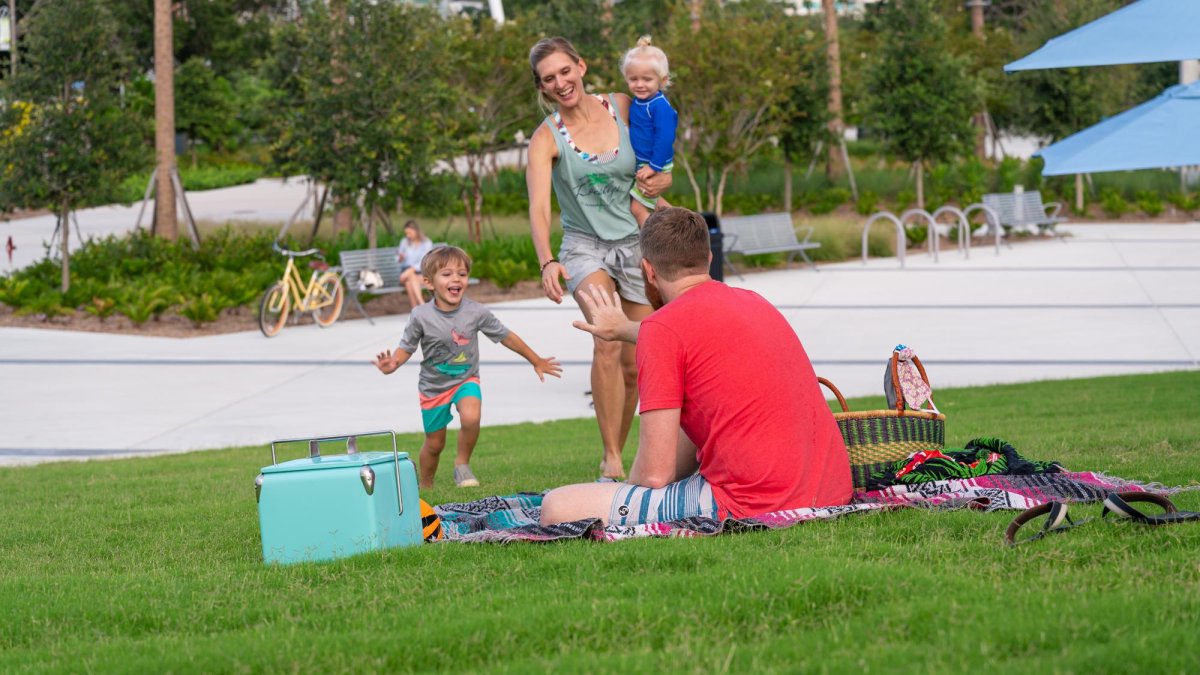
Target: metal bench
[[383, 261], [765, 233], [1024, 210]]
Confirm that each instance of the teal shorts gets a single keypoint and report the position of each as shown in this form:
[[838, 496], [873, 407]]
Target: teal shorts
[[436, 411]]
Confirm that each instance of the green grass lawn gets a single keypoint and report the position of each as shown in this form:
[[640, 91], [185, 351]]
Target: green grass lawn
[[154, 565]]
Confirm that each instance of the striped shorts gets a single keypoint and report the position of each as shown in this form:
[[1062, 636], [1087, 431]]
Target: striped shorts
[[637, 505], [435, 410]]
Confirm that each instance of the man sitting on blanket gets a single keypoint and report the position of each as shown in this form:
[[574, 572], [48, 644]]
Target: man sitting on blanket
[[723, 366]]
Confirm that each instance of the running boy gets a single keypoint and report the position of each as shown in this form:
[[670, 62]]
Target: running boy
[[447, 331], [652, 120]]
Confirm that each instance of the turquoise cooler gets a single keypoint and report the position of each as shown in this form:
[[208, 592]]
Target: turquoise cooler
[[320, 508]]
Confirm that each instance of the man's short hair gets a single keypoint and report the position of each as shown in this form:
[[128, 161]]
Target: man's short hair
[[675, 241], [441, 256]]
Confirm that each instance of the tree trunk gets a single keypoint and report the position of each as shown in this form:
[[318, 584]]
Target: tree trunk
[[697, 11], [833, 166], [478, 233], [687, 168], [976, 7], [708, 187], [164, 120], [65, 217], [12, 34], [920, 184], [787, 184], [343, 218], [718, 207], [372, 238]]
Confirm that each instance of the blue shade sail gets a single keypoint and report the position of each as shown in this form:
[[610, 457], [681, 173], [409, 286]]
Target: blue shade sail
[[1148, 31], [1160, 133]]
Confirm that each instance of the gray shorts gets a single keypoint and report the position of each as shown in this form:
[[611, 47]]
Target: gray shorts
[[687, 498], [583, 255]]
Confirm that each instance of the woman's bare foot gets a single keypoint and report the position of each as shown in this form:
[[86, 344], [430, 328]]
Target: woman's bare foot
[[607, 472]]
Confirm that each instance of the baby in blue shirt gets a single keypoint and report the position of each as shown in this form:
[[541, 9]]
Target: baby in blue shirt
[[652, 120]]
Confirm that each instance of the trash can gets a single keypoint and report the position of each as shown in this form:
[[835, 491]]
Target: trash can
[[716, 269]]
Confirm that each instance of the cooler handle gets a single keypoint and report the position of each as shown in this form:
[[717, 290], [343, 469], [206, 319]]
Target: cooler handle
[[314, 450]]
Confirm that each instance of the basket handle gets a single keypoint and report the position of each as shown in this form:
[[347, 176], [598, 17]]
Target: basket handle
[[831, 387], [895, 367]]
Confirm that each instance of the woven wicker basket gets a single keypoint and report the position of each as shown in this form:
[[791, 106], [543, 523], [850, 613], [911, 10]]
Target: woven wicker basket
[[876, 438]]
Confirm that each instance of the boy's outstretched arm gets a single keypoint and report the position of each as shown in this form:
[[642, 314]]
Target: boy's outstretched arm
[[543, 367], [387, 361]]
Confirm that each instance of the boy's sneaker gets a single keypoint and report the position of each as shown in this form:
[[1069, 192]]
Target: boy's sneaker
[[463, 477]]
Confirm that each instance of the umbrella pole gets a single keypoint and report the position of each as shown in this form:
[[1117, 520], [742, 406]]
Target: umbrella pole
[[1078, 193]]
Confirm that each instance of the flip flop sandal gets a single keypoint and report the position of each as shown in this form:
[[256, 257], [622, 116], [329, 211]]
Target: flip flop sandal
[[1118, 505], [1052, 525]]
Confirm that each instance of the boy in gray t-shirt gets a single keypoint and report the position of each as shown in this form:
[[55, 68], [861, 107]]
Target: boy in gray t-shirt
[[447, 330]]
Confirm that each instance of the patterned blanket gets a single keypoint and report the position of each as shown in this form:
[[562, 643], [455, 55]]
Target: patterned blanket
[[515, 517]]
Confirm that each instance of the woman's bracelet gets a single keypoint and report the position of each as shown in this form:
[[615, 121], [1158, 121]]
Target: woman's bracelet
[[552, 260]]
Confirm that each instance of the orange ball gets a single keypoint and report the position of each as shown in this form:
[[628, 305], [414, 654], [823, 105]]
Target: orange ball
[[431, 524]]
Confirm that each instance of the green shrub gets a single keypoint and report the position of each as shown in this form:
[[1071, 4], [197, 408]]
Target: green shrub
[[146, 301], [905, 199], [101, 308], [1008, 174], [1113, 204], [1184, 202], [916, 235], [16, 292], [867, 203], [48, 304], [203, 308], [747, 204], [828, 199], [504, 272], [1149, 202]]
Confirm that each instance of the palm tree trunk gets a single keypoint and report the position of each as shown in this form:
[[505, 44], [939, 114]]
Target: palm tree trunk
[[164, 120], [833, 166]]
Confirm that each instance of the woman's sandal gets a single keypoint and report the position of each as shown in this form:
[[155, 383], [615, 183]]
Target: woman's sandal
[[1116, 503]]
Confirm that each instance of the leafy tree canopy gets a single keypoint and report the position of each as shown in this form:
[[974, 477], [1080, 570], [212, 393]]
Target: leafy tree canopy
[[920, 96]]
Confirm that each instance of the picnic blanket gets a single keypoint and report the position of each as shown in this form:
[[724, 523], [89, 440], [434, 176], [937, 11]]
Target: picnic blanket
[[515, 517], [980, 457]]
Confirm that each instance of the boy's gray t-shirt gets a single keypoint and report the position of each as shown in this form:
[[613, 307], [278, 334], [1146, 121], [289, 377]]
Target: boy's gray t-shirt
[[449, 343]]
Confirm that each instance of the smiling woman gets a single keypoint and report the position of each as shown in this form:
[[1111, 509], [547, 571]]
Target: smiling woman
[[582, 150]]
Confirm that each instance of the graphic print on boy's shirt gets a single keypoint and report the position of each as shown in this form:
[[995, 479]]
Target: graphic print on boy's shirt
[[449, 343]]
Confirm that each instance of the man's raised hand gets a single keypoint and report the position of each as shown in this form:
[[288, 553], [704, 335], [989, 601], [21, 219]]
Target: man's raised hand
[[608, 320]]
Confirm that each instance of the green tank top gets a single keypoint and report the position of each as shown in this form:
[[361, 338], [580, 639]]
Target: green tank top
[[593, 196]]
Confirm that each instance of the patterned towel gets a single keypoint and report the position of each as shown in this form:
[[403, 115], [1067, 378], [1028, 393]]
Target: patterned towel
[[515, 517]]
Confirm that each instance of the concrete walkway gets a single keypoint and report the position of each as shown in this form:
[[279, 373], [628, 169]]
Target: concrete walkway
[[1112, 299], [267, 200]]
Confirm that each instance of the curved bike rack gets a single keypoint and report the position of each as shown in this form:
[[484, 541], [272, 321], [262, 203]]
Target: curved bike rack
[[993, 220], [900, 238], [932, 225], [964, 227]]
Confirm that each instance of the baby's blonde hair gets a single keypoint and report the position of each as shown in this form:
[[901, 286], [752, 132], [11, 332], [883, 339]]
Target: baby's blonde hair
[[648, 52]]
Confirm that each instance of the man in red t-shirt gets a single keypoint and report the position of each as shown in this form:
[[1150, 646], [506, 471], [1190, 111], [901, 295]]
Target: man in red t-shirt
[[722, 366]]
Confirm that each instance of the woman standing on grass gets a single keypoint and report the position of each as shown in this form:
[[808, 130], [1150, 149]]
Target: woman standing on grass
[[582, 151], [412, 251]]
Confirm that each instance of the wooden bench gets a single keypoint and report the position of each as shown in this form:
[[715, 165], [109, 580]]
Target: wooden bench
[[1024, 210], [765, 233]]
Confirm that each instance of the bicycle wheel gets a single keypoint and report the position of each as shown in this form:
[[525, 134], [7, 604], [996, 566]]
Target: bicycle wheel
[[329, 297], [273, 310]]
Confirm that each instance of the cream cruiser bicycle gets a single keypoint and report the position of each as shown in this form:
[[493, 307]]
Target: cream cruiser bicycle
[[322, 296]]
